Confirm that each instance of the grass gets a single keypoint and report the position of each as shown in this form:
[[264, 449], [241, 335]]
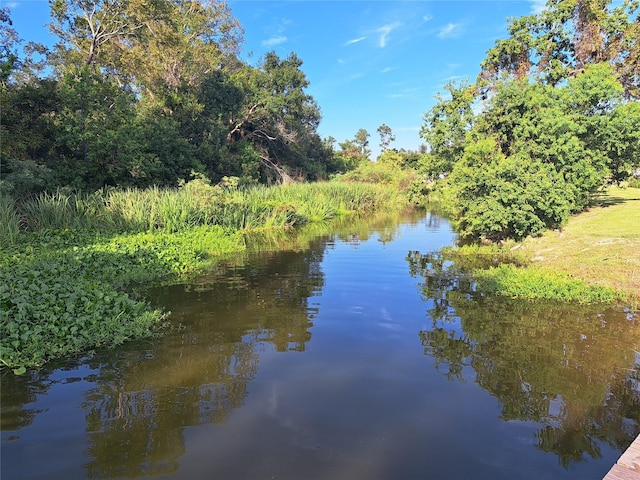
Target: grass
[[600, 247], [533, 283], [595, 258]]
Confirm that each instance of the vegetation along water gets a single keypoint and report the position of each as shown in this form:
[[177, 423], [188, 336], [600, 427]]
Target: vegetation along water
[[356, 352], [155, 156]]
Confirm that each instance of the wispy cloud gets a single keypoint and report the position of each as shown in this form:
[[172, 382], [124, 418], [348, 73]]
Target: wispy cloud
[[426, 18], [407, 92], [450, 30], [385, 31], [276, 32], [273, 41], [537, 6], [355, 40], [454, 79], [388, 69]]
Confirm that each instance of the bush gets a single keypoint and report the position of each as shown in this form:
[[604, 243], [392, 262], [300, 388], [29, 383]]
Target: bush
[[496, 197]]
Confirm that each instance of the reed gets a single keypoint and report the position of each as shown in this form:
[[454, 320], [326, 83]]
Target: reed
[[9, 220], [66, 287], [199, 203]]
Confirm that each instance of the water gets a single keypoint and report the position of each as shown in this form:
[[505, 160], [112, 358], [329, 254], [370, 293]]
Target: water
[[362, 355]]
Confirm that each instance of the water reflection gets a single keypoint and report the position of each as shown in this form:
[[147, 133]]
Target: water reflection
[[304, 363], [141, 402], [571, 368]]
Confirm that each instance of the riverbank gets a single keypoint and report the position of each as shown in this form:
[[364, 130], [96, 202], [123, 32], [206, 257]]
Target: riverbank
[[600, 246], [70, 264], [594, 258]]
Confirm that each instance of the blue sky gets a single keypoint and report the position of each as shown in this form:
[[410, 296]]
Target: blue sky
[[370, 62]]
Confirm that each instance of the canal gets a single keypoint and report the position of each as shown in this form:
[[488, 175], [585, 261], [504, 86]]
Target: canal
[[360, 354]]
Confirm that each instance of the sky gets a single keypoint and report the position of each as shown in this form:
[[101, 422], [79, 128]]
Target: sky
[[369, 62]]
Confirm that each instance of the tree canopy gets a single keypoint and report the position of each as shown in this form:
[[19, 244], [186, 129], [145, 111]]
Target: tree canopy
[[146, 92], [552, 118]]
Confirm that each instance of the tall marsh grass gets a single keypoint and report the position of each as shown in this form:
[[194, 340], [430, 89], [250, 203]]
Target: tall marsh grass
[[196, 203], [9, 220]]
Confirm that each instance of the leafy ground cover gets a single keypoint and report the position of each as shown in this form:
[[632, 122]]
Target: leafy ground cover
[[67, 291], [69, 264]]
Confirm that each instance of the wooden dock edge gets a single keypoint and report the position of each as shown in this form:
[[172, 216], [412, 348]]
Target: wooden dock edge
[[628, 466]]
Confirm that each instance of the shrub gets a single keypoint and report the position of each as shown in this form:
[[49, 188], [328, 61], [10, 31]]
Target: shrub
[[498, 197]]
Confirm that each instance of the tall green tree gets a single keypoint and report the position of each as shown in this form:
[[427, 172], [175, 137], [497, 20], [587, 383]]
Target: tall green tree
[[8, 50], [276, 113], [556, 101], [446, 126], [386, 136], [566, 37], [361, 140]]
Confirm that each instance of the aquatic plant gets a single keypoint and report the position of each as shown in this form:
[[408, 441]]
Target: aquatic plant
[[68, 284]]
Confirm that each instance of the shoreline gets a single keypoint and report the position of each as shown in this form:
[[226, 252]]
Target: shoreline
[[600, 246]]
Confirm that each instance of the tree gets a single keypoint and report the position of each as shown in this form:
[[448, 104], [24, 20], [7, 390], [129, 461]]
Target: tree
[[446, 126], [539, 152], [155, 45], [564, 39], [557, 96], [361, 140], [386, 136], [8, 55], [498, 197], [276, 112], [350, 155]]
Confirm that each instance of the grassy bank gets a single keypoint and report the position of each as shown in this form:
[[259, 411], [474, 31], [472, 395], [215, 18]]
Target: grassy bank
[[594, 258], [69, 263]]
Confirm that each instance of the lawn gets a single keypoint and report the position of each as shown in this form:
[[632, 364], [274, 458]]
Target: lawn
[[600, 246]]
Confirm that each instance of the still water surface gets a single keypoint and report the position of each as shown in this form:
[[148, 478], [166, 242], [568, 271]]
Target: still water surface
[[363, 355]]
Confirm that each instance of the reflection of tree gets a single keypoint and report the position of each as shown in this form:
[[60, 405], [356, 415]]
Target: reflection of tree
[[199, 373], [15, 394], [564, 366], [137, 412]]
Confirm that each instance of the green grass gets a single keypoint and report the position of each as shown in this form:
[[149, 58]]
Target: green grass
[[600, 246], [9, 221], [533, 283], [595, 258]]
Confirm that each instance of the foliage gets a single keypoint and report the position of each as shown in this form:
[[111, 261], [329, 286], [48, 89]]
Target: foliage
[[538, 153], [496, 197], [62, 291], [9, 220], [556, 113], [533, 284], [69, 262], [386, 136], [139, 94], [386, 173], [276, 115], [8, 56], [446, 127], [563, 39]]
